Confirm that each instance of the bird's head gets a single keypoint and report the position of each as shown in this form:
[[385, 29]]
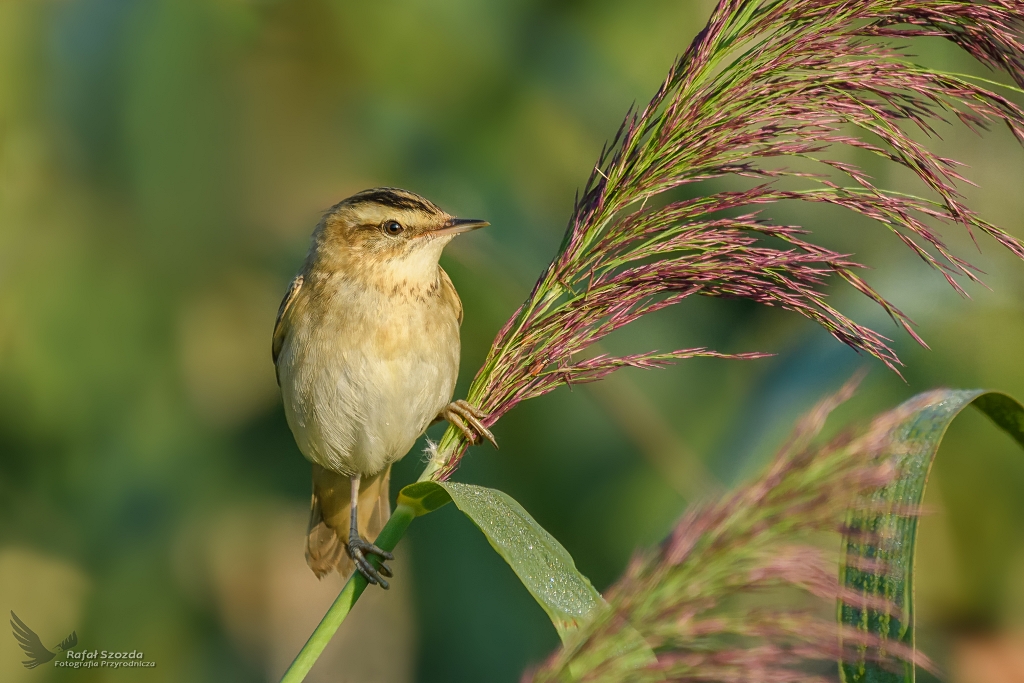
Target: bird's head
[[387, 232]]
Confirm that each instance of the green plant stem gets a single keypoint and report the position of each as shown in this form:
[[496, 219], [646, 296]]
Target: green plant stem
[[354, 587]]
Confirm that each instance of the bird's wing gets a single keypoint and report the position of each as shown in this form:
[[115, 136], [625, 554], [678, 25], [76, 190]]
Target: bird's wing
[[30, 643], [281, 325], [69, 642], [448, 292]]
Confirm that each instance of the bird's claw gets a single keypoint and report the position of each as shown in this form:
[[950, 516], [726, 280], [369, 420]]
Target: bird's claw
[[357, 549], [466, 417]]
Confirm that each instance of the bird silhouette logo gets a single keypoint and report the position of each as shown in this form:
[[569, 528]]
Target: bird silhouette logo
[[33, 646]]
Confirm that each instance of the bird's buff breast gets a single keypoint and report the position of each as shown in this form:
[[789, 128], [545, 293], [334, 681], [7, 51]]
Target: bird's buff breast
[[363, 373]]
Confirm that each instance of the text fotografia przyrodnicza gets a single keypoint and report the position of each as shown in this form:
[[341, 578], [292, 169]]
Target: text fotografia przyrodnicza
[[103, 658]]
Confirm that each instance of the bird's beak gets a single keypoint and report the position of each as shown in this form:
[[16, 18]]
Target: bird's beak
[[457, 226]]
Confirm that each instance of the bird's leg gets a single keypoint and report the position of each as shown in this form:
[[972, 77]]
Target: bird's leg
[[461, 412], [357, 546]]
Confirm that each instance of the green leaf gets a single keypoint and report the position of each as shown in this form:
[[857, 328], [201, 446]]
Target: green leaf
[[424, 496], [893, 533], [541, 563]]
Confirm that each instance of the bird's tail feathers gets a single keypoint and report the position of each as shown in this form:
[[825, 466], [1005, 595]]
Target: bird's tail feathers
[[330, 512]]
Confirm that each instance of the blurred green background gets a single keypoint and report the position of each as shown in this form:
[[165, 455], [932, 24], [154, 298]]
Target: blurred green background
[[162, 163]]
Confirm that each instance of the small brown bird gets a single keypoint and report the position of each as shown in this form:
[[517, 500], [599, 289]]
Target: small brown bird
[[366, 347]]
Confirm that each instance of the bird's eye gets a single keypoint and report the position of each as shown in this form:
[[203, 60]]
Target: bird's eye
[[393, 228]]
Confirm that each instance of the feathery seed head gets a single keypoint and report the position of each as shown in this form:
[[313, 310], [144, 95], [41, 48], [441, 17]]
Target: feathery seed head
[[745, 588], [765, 83]]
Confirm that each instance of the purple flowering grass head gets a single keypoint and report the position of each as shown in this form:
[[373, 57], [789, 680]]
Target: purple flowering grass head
[[745, 587], [766, 89]]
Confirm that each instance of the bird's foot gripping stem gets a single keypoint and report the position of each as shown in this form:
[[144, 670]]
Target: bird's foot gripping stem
[[466, 417], [358, 548]]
